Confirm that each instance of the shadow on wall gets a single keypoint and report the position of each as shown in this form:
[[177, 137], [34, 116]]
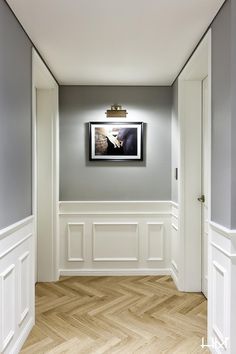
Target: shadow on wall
[[117, 163]]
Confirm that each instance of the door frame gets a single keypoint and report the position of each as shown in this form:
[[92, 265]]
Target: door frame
[[43, 79], [190, 247], [205, 158]]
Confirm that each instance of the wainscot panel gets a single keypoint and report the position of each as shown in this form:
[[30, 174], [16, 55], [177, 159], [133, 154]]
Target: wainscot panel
[[175, 243], [222, 289], [115, 238], [16, 285]]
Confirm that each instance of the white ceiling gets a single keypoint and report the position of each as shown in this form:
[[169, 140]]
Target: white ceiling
[[115, 42]]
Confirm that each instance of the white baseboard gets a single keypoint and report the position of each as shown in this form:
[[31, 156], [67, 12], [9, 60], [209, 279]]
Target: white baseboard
[[113, 272], [175, 278], [24, 334]]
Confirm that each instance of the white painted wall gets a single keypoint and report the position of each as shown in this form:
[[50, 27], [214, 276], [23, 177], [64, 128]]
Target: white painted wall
[[115, 238], [45, 156], [45, 171], [16, 285]]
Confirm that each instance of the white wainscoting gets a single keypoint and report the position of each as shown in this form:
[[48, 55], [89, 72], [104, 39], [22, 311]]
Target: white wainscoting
[[16, 285], [115, 238], [175, 244], [222, 289]]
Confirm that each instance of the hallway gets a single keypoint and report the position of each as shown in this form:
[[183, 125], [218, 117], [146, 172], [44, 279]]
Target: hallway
[[138, 314], [117, 177]]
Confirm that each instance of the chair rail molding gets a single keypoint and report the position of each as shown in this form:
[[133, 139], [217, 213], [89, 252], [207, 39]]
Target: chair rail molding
[[115, 237]]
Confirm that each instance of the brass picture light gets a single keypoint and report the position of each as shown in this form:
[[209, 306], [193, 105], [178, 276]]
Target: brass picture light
[[116, 111]]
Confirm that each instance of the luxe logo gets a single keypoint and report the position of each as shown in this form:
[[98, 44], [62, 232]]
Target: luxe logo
[[215, 344]]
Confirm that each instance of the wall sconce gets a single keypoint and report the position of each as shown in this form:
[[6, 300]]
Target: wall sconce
[[116, 111]]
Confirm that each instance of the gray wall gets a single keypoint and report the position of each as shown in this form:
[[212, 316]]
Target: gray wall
[[174, 144], [224, 116], [81, 179], [15, 120]]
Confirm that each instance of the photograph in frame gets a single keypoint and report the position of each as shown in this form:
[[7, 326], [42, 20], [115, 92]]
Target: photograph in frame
[[116, 141]]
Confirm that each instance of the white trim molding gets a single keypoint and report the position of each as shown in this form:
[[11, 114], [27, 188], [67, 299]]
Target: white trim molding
[[153, 244], [16, 226], [71, 258], [119, 237], [226, 253], [24, 286], [8, 302], [223, 230], [174, 265], [114, 272], [174, 204], [174, 226], [114, 207], [175, 244]]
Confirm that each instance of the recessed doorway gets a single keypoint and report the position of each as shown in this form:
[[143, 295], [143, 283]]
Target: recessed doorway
[[45, 170]]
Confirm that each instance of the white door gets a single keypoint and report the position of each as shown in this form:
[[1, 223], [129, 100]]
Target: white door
[[205, 182]]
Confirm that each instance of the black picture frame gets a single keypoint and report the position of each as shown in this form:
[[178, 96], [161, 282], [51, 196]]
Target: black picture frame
[[116, 141]]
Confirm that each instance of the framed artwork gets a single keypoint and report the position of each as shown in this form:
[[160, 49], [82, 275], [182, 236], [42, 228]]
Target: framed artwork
[[116, 141]]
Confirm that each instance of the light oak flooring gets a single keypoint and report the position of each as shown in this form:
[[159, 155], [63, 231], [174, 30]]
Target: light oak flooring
[[144, 314]]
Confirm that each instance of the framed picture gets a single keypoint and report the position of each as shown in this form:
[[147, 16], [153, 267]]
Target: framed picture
[[116, 141]]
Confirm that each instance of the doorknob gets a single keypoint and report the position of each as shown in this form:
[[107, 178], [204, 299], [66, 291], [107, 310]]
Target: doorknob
[[201, 199]]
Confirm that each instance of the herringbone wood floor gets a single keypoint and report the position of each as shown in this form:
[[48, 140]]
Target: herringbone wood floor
[[83, 315]]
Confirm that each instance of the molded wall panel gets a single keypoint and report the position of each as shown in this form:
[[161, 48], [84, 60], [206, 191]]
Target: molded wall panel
[[115, 238], [17, 260], [156, 251], [75, 243]]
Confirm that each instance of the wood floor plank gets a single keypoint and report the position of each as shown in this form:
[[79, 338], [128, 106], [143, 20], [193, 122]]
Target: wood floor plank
[[117, 315]]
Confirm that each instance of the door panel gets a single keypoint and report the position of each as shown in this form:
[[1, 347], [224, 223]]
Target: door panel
[[205, 186]]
